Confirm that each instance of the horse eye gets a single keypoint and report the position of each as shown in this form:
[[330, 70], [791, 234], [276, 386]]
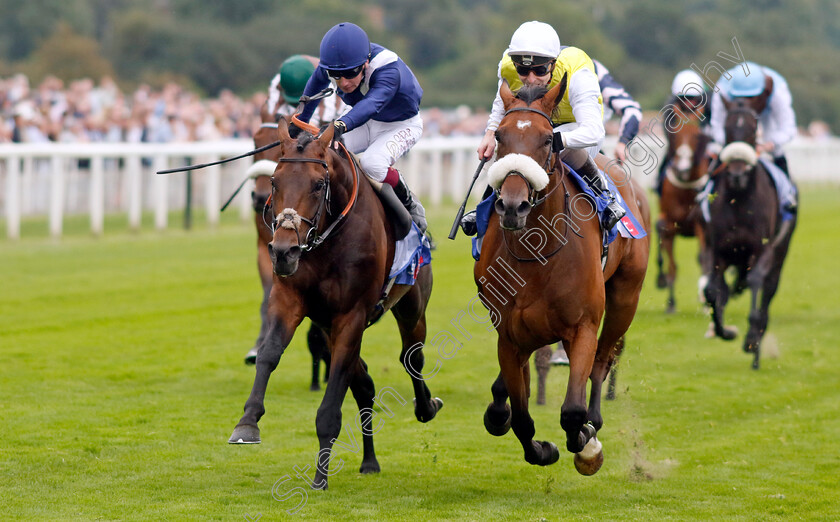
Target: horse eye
[[549, 140], [318, 186], [498, 136]]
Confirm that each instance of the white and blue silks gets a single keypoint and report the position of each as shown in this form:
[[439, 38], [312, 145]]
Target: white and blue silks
[[410, 254]]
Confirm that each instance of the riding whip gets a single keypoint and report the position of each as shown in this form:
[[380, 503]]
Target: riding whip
[[454, 231]]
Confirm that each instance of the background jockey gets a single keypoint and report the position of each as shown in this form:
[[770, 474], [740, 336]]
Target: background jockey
[[617, 100], [384, 94], [535, 57], [777, 119], [287, 87], [689, 92]]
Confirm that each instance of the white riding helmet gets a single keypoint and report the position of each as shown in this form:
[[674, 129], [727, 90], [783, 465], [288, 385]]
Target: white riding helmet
[[687, 83], [535, 38]]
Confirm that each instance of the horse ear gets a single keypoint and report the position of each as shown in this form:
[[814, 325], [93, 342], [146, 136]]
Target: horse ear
[[727, 104], [506, 94], [553, 97], [326, 137], [283, 130]]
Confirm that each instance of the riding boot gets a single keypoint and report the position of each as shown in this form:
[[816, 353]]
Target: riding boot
[[411, 203], [781, 162], [614, 211]]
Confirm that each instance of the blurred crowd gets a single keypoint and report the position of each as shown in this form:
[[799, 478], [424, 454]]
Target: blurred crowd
[[85, 111]]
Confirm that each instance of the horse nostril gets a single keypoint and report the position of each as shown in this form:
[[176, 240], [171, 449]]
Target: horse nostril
[[271, 249], [523, 208], [499, 206], [294, 253]]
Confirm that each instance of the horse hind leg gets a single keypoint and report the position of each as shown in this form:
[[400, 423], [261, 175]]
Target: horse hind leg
[[541, 453], [410, 313], [541, 362], [497, 417], [667, 280], [320, 351], [364, 392]]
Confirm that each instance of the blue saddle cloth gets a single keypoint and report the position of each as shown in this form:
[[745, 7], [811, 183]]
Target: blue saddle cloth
[[410, 254], [785, 190], [629, 226]]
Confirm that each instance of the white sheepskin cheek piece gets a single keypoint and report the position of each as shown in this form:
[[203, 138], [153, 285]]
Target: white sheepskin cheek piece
[[520, 163], [739, 150]]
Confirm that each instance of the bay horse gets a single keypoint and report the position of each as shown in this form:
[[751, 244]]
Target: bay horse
[[331, 251], [264, 164], [744, 229], [685, 175], [561, 295]]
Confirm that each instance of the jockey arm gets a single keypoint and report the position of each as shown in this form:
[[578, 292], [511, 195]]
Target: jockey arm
[[317, 83], [620, 102], [779, 120], [384, 85], [584, 92]]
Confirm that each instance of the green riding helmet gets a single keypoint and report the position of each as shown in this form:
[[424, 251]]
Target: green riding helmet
[[294, 73]]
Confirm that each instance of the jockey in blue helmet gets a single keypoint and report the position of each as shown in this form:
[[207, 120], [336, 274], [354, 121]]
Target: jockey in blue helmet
[[384, 96], [778, 121]]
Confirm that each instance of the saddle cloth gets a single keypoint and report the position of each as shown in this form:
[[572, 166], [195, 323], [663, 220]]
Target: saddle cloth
[[410, 254]]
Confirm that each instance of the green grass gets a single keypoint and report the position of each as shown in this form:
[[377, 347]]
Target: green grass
[[122, 379]]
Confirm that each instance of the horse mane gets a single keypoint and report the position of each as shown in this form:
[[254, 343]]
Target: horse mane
[[531, 93]]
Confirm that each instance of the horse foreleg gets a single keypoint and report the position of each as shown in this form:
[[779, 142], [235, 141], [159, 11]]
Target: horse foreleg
[[573, 413], [717, 294], [661, 282], [345, 340], [513, 365], [542, 364], [667, 233], [497, 416], [364, 392], [280, 333], [266, 278]]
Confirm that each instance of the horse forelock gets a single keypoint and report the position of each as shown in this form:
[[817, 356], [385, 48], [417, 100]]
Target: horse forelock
[[531, 93]]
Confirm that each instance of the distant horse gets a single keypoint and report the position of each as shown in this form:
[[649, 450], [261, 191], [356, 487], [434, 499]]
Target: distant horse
[[264, 164], [744, 229], [561, 294], [685, 175], [331, 251]]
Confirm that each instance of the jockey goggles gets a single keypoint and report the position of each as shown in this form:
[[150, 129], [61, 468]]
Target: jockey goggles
[[345, 73], [538, 70]]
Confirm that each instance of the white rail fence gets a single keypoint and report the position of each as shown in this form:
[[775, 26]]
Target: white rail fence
[[56, 179]]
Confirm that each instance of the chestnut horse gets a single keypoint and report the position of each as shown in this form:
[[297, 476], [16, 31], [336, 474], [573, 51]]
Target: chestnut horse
[[264, 164], [331, 251], [744, 228], [685, 175], [560, 294]]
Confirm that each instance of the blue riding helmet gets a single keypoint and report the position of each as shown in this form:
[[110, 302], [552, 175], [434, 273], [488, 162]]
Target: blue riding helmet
[[743, 85], [345, 46]]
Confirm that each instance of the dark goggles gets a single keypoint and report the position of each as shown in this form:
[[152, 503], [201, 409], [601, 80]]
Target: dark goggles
[[345, 73], [538, 70]]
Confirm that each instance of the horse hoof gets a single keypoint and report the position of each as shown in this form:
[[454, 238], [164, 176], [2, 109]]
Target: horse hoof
[[671, 309], [245, 434], [494, 428], [437, 404], [314, 387], [369, 467], [549, 452], [661, 281], [590, 459], [729, 333]]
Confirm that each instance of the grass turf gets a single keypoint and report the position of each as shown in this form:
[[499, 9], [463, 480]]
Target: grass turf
[[122, 379]]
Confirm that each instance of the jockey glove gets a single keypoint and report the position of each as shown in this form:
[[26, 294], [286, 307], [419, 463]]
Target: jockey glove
[[557, 143], [294, 131], [340, 128]]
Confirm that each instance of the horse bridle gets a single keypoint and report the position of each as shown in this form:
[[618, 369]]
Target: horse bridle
[[532, 194], [289, 218]]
